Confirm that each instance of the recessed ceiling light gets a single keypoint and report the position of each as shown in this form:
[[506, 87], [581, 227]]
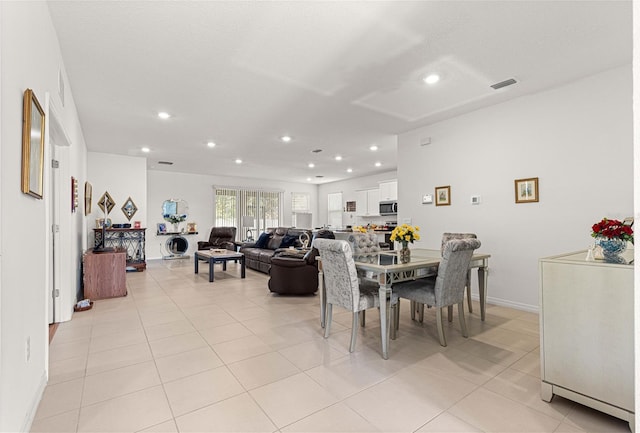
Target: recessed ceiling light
[[164, 115], [378, 164], [308, 179], [432, 79], [285, 138], [338, 158], [349, 170], [373, 147], [145, 150], [238, 161], [211, 144], [311, 165]]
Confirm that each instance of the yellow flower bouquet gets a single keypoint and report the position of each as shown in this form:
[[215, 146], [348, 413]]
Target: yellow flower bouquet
[[405, 234]]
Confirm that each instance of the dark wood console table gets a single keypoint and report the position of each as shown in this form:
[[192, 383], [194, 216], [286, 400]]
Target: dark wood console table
[[131, 240]]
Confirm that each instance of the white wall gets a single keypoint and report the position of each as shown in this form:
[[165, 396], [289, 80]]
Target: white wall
[[122, 177], [577, 139], [30, 58], [348, 189], [198, 190]]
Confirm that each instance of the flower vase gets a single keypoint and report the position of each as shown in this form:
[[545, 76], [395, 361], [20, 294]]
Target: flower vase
[[612, 248], [405, 253], [176, 227]]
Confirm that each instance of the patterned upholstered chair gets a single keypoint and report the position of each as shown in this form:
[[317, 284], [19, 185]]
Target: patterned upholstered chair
[[365, 247], [448, 287], [446, 237], [343, 287]]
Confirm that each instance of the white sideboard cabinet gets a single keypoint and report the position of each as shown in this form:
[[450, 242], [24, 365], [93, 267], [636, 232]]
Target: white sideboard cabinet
[[586, 333]]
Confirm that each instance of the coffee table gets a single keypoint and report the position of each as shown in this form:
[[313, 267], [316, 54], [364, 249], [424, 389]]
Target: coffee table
[[218, 256]]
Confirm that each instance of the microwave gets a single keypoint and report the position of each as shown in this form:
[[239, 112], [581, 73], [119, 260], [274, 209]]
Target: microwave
[[388, 207]]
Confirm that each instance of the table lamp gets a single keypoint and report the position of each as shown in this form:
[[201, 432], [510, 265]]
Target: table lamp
[[248, 221]]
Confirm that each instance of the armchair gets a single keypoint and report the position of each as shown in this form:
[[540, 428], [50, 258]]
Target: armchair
[[220, 237]]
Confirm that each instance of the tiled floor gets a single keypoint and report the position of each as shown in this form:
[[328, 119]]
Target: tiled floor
[[180, 354]]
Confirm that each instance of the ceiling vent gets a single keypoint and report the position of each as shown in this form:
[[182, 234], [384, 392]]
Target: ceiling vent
[[319, 176], [165, 162], [316, 151], [504, 83]]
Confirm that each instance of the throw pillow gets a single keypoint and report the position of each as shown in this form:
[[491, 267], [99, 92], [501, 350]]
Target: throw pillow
[[288, 241], [263, 240]]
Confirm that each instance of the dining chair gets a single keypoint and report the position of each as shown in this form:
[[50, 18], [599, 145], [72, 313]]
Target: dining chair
[[419, 308], [343, 287], [447, 289]]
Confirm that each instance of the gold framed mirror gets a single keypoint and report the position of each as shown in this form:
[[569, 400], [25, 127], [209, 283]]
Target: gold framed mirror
[[32, 145], [129, 208]]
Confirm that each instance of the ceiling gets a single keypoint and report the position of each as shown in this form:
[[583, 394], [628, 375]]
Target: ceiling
[[335, 76]]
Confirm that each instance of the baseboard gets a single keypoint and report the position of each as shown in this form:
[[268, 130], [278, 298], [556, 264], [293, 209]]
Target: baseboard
[[505, 303], [31, 414]]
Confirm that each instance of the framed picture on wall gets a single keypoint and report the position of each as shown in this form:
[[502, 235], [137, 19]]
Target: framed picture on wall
[[162, 227], [526, 190], [443, 195]]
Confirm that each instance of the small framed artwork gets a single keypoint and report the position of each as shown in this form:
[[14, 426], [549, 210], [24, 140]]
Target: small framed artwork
[[87, 198], [162, 228], [106, 203], [192, 227], [32, 145], [443, 195], [527, 190]]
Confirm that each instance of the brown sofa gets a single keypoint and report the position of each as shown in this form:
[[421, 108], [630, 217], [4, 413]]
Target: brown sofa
[[259, 258], [221, 238], [291, 275]]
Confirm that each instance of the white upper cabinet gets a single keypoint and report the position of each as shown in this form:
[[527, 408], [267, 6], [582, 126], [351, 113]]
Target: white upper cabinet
[[388, 190], [368, 202], [373, 202]]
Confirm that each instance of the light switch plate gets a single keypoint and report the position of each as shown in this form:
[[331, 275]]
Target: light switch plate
[[427, 198]]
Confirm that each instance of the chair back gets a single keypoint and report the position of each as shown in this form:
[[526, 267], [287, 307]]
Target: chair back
[[446, 237], [365, 246], [452, 271], [219, 235], [339, 269]]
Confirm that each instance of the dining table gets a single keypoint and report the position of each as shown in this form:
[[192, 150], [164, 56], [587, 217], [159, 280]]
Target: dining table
[[385, 268]]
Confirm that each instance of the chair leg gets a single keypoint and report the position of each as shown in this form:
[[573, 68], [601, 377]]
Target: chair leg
[[469, 291], [450, 313], [413, 306], [443, 340], [394, 321], [421, 311], [354, 331], [463, 323], [327, 325], [362, 318], [397, 316]]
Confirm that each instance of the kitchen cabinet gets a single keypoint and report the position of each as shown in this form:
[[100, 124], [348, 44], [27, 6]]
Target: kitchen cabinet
[[368, 202], [388, 190], [586, 332]]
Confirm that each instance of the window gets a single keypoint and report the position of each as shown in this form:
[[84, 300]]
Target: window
[[231, 204], [334, 207], [301, 209]]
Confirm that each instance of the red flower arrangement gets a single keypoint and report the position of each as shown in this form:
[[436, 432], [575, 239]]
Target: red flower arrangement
[[612, 229]]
